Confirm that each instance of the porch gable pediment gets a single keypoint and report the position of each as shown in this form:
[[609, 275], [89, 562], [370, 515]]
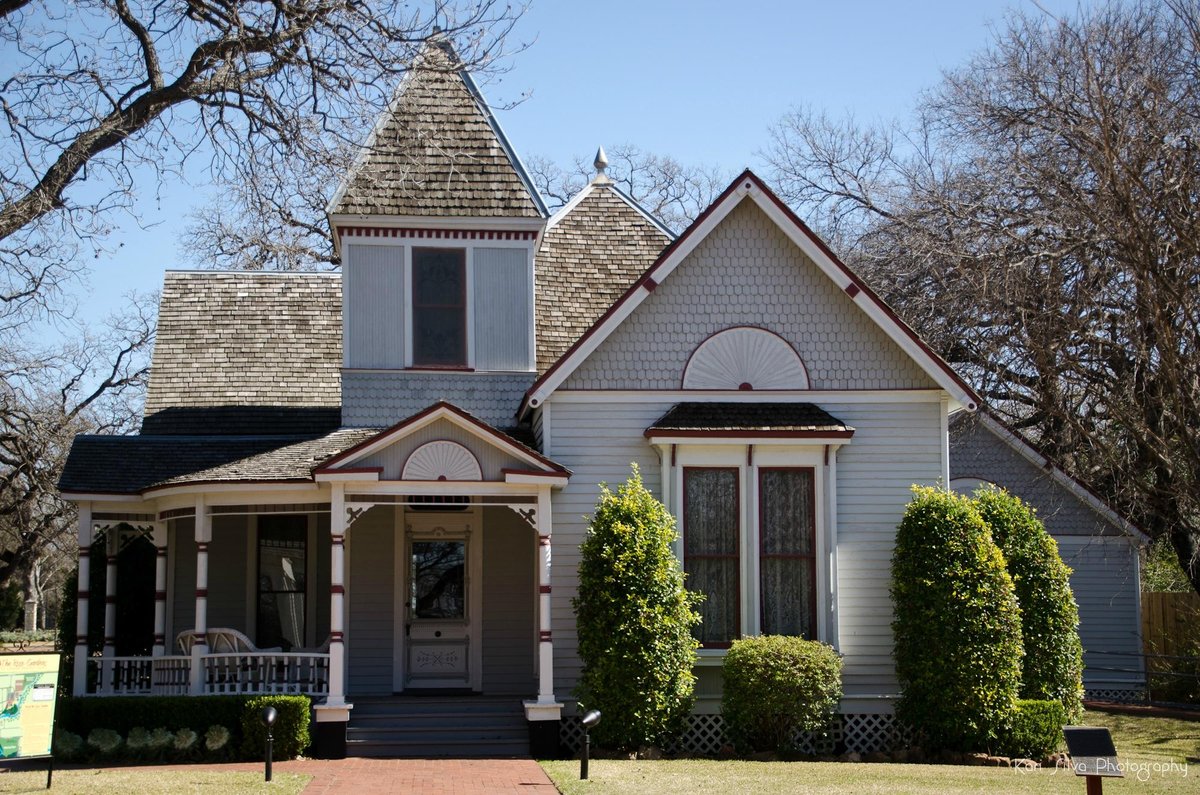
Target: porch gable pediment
[[441, 444]]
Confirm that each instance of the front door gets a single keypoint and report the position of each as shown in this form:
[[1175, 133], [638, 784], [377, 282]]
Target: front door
[[442, 607]]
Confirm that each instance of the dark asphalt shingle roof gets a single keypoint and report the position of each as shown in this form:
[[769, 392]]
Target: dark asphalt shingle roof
[[781, 417], [131, 464], [585, 262], [436, 153], [253, 353]]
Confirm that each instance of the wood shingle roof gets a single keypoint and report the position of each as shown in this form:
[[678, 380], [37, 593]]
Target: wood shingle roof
[[588, 257], [246, 353], [438, 151]]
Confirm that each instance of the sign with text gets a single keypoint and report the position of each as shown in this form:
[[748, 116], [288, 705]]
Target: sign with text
[[28, 683]]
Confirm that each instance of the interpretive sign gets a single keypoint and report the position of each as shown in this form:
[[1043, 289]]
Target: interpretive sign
[[28, 684]]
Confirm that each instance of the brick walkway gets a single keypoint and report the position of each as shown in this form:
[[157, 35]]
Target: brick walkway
[[416, 776]]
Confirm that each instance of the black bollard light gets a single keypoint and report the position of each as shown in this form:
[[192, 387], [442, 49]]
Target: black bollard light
[[268, 718], [589, 720]]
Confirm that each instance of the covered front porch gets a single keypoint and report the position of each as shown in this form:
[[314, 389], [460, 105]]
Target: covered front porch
[[416, 562]]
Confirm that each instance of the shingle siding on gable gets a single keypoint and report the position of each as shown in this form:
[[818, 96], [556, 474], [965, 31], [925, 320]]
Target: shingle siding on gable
[[976, 452], [383, 398], [747, 273]]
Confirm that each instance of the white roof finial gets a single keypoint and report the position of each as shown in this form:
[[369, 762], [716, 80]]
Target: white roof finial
[[601, 163]]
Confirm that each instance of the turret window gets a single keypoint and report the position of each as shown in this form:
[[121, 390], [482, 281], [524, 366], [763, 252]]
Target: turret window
[[439, 305]]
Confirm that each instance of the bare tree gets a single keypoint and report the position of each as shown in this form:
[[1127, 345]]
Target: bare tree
[[1038, 223], [672, 192], [99, 94], [91, 383]]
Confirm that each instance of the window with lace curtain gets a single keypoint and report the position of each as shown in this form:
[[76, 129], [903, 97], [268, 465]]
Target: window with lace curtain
[[787, 552], [710, 544]]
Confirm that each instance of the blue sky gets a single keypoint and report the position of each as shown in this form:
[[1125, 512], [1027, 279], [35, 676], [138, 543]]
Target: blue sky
[[699, 80]]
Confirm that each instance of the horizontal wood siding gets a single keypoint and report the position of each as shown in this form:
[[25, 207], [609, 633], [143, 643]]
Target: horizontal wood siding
[[509, 603], [393, 458], [373, 306], [1105, 582], [503, 309], [319, 590], [894, 446], [597, 442], [372, 602], [227, 573]]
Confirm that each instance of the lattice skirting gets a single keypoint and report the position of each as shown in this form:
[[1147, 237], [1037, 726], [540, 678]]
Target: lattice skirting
[[705, 736], [1122, 695]]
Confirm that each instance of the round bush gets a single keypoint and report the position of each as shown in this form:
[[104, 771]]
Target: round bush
[[1053, 664], [1036, 730], [776, 687], [957, 625], [634, 620]]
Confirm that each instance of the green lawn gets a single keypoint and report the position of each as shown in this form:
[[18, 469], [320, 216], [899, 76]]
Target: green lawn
[[1165, 753], [151, 781]]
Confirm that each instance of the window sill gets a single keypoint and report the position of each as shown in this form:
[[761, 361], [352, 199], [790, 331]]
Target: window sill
[[439, 369], [710, 657]]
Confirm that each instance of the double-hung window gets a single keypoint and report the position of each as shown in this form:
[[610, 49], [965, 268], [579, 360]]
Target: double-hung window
[[787, 552], [710, 542], [439, 307]]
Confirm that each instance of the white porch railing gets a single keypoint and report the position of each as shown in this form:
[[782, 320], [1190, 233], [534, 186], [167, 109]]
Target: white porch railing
[[242, 673], [139, 676]]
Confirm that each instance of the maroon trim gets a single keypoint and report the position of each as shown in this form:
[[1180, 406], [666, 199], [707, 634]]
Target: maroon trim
[[737, 513], [336, 637], [361, 470], [161, 551], [543, 589], [111, 560], [651, 284], [812, 545], [537, 473], [85, 552], [852, 289], [81, 640], [434, 234], [82, 595], [160, 596], [201, 593], [110, 640], [749, 387], [337, 589], [338, 541], [544, 636], [674, 454], [543, 541], [749, 455], [202, 546], [752, 179], [110, 599], [329, 463], [441, 368], [748, 433], [159, 640]]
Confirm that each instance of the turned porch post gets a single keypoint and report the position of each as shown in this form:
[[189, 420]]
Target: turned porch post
[[545, 643], [112, 545], [337, 596], [82, 598], [200, 645], [159, 536]]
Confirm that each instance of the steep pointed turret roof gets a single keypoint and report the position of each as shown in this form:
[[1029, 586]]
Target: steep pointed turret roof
[[438, 151]]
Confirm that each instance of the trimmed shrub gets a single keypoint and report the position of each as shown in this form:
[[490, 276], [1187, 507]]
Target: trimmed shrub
[[957, 626], [775, 687], [634, 619], [106, 742], [1053, 663], [1036, 730], [123, 714], [290, 733]]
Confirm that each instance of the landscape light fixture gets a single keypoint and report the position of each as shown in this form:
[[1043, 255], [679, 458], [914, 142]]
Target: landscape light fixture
[[268, 718], [589, 720]]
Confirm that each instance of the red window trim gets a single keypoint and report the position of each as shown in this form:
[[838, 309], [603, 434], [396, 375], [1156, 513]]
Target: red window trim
[[417, 364], [736, 556], [811, 558]]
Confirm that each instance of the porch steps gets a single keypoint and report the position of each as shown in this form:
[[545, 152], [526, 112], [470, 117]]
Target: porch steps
[[437, 726]]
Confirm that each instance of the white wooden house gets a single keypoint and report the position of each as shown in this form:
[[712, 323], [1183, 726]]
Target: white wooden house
[[374, 482]]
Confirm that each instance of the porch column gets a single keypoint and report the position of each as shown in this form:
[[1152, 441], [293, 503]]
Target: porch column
[[200, 646], [112, 545], [544, 713], [337, 596], [333, 715], [82, 598], [159, 536]]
